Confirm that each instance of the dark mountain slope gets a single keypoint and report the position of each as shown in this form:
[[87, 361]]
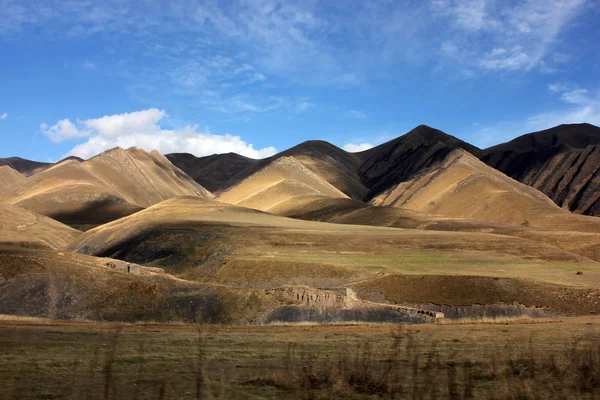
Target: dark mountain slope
[[562, 162], [25, 167], [220, 172], [395, 161], [216, 172], [28, 167]]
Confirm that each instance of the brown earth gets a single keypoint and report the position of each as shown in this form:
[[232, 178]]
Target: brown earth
[[461, 291], [61, 285], [58, 285]]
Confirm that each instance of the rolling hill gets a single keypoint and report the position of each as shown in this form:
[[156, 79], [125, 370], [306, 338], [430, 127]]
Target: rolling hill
[[562, 162], [22, 228], [313, 233], [425, 170], [462, 186], [220, 172], [210, 241], [69, 286], [390, 163], [28, 167], [217, 172], [282, 184], [9, 178], [205, 242], [109, 186], [25, 167]]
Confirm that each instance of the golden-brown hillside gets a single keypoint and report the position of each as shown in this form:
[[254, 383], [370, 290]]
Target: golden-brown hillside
[[109, 186]]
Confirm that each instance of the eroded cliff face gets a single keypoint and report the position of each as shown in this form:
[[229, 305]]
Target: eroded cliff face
[[311, 297], [339, 305]]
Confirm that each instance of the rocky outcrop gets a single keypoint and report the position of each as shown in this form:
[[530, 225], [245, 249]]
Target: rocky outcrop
[[311, 297], [345, 299]]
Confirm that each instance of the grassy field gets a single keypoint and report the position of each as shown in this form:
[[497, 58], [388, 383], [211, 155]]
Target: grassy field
[[84, 360], [359, 264]]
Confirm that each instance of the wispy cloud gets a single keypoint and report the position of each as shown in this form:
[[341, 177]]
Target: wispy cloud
[[582, 105], [142, 129], [507, 59], [242, 103], [470, 15], [215, 46], [509, 36], [4, 116], [579, 105]]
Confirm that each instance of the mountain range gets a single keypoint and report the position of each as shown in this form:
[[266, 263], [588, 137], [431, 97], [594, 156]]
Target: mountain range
[[226, 233]]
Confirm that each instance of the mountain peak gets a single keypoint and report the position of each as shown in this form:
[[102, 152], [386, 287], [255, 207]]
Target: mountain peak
[[429, 135]]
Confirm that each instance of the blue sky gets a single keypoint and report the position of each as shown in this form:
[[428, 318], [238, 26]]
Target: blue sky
[[255, 77]]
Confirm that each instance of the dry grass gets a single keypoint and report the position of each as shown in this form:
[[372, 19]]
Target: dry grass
[[403, 371], [235, 245], [114, 361], [497, 320]]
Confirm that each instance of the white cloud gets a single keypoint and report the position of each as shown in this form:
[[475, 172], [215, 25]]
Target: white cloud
[[356, 114], [560, 87], [508, 59], [63, 130], [118, 125], [142, 129], [355, 148], [4, 116], [468, 14], [186, 140], [576, 96]]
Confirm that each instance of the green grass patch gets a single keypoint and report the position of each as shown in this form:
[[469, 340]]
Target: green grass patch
[[404, 261], [575, 267]]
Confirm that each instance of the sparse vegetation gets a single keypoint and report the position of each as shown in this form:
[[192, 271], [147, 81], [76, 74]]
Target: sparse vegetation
[[113, 361]]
